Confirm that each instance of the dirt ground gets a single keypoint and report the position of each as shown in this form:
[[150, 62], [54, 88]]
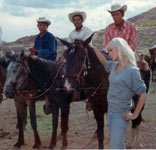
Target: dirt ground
[[82, 126]]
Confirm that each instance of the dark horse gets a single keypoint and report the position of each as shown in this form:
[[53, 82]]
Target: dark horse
[[152, 63], [84, 71], [21, 107], [31, 78]]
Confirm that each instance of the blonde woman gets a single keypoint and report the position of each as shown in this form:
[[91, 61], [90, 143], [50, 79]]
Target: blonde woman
[[124, 82]]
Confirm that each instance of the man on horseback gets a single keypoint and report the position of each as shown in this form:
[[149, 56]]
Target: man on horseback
[[45, 43], [80, 32], [45, 47], [120, 28]]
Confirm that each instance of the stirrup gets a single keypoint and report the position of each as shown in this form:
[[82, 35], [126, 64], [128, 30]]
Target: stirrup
[[47, 109]]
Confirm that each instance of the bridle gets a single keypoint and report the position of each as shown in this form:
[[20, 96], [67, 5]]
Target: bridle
[[29, 73], [84, 68]]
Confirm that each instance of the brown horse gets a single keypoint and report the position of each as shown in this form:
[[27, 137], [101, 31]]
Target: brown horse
[[27, 79], [86, 73], [152, 63]]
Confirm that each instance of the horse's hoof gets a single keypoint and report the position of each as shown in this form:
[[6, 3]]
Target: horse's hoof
[[64, 146], [18, 144], [36, 146], [51, 147], [100, 147]]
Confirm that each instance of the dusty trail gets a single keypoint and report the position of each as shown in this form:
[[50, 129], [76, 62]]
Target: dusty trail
[[82, 126]]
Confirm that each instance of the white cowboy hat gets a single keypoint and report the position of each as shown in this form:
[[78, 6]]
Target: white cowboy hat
[[43, 19], [81, 13], [116, 7]]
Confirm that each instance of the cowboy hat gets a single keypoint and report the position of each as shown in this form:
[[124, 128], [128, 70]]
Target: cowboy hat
[[43, 19], [116, 7], [81, 13]]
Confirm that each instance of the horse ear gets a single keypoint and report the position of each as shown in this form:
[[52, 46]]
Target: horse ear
[[87, 41], [68, 44], [10, 55], [22, 55]]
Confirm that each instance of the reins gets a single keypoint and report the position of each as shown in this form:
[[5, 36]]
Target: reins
[[47, 90], [85, 72]]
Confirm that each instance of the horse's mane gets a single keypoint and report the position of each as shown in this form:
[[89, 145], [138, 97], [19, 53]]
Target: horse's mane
[[43, 69], [4, 62], [39, 61]]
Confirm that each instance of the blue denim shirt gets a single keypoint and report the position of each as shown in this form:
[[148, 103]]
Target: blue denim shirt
[[47, 45], [122, 86]]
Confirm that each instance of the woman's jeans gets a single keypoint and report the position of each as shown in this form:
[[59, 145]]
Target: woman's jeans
[[117, 126]]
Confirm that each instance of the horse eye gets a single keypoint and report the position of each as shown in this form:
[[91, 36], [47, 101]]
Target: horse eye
[[14, 71]]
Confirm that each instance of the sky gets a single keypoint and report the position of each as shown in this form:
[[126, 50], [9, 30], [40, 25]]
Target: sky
[[18, 17]]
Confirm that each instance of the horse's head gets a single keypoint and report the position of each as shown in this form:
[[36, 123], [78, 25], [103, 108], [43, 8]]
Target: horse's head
[[76, 56], [3, 65], [17, 74]]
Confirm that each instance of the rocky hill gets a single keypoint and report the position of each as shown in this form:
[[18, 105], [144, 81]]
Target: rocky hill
[[146, 28], [145, 19]]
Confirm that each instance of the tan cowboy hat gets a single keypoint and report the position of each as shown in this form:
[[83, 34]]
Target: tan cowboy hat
[[81, 13], [116, 7], [43, 19]]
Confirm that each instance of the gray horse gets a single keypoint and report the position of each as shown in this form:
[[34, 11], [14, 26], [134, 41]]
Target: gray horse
[[32, 78]]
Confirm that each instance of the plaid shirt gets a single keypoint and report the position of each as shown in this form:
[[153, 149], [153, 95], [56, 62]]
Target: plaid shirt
[[127, 32]]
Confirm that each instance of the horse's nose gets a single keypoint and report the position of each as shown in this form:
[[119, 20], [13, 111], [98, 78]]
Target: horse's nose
[[13, 84]]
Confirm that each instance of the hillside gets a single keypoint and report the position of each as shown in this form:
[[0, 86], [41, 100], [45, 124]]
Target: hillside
[[145, 19], [146, 28]]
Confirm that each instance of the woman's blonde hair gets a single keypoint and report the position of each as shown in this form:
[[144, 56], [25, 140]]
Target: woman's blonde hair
[[125, 53]]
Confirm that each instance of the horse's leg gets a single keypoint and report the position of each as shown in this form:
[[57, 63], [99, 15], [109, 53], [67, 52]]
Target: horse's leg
[[152, 75], [64, 124], [24, 122], [32, 110], [55, 114], [99, 116], [21, 117]]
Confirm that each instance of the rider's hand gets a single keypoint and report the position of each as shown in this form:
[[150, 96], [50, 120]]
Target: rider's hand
[[33, 51]]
